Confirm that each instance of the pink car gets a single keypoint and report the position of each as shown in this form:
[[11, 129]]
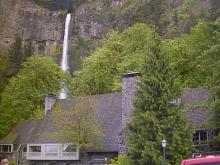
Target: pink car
[[204, 160]]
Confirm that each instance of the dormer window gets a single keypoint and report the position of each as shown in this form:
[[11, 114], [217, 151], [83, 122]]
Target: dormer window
[[6, 148]]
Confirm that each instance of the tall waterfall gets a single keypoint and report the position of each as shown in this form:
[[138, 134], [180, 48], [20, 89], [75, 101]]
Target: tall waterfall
[[64, 63]]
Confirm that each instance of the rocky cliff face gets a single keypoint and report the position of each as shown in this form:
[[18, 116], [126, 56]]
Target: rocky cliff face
[[92, 21], [172, 17], [32, 23], [44, 27]]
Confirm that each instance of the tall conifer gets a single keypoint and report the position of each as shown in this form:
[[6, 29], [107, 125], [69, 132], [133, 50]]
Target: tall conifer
[[155, 118]]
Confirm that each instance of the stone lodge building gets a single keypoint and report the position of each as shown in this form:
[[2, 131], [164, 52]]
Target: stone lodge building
[[25, 145]]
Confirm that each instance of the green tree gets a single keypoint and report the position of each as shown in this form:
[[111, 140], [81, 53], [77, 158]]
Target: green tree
[[193, 57], [137, 42], [120, 53], [78, 125], [155, 118], [213, 66], [23, 98], [122, 160], [100, 69]]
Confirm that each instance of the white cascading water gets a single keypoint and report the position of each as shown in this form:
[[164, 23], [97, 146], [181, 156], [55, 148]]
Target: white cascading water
[[64, 63]]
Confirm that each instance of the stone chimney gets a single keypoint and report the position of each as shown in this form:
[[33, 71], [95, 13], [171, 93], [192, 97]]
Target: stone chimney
[[50, 99], [129, 87]]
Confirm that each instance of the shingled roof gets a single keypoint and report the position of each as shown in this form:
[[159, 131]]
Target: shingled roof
[[21, 133], [108, 112], [197, 117]]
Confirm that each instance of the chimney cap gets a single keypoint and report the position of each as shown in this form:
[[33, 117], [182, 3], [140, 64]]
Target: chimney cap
[[131, 74]]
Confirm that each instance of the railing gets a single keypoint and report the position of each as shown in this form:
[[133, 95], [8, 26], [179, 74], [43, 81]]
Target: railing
[[55, 154], [69, 154], [34, 154], [50, 152], [52, 156]]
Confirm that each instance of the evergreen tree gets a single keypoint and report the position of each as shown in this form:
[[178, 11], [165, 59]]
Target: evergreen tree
[[155, 118], [212, 65]]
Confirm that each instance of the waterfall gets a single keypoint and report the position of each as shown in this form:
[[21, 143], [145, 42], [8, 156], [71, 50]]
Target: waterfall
[[64, 62]]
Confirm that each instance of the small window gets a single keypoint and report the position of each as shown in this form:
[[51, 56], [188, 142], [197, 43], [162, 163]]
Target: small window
[[35, 148], [69, 148], [6, 148], [201, 137], [52, 148]]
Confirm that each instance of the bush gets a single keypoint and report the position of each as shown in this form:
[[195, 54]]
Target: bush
[[215, 144], [122, 160]]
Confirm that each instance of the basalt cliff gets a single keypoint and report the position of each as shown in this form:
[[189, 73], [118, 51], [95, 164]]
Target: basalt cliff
[[42, 22]]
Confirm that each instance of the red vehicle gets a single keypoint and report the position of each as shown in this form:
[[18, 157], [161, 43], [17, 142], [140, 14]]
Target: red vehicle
[[203, 160]]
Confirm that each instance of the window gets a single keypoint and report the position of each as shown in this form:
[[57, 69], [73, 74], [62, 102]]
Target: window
[[6, 148], [52, 148], [69, 148], [35, 148], [201, 137], [24, 149]]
